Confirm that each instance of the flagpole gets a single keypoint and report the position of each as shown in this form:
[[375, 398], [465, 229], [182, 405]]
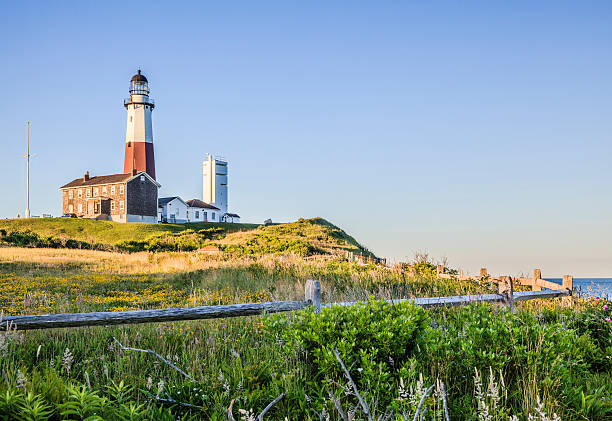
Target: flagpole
[[27, 212]]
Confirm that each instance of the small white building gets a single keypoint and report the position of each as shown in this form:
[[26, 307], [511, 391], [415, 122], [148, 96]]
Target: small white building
[[199, 211], [231, 218], [172, 210]]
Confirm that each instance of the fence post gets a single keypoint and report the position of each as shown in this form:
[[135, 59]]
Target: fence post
[[537, 275], [483, 272], [568, 283], [506, 287], [312, 293]]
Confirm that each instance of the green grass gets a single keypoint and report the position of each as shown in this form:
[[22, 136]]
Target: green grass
[[304, 237], [560, 356], [106, 232]]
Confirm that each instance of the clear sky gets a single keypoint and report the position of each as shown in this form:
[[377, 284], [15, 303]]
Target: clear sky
[[479, 131]]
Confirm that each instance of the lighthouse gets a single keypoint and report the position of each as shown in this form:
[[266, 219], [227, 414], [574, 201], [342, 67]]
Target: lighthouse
[[139, 154]]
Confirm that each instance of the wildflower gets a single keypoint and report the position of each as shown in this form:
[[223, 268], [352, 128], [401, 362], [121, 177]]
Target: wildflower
[[607, 320], [67, 361], [541, 414], [149, 383], [402, 391], [605, 307], [22, 381], [160, 387], [87, 379], [247, 415]]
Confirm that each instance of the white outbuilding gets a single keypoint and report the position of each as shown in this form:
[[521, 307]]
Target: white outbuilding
[[172, 210], [199, 211]]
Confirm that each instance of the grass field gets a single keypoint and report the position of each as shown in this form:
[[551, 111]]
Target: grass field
[[495, 365], [106, 232], [306, 237]]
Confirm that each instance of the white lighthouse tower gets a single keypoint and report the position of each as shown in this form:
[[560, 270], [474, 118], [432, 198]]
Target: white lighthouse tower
[[215, 182], [139, 154]]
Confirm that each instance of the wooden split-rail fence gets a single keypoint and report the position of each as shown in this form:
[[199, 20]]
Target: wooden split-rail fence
[[312, 298]]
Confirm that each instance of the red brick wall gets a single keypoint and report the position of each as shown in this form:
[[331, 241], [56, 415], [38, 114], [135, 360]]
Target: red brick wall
[[87, 202]]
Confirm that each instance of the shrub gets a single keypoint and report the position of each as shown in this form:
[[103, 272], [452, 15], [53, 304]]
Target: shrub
[[375, 338]]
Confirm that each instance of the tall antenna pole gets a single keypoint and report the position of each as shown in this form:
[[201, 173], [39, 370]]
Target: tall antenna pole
[[27, 212]]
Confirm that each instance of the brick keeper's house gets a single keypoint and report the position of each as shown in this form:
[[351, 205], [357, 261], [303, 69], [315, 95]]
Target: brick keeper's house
[[130, 197]]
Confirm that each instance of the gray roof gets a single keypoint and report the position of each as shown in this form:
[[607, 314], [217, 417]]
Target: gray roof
[[233, 215], [164, 200]]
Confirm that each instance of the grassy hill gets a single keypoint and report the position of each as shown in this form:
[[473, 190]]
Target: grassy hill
[[305, 237]]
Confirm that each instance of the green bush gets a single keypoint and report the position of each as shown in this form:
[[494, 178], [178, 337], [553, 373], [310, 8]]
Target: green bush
[[32, 239], [187, 240], [375, 338], [266, 244]]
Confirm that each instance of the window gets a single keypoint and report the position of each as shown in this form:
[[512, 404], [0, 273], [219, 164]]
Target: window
[[197, 214], [69, 194], [70, 208], [142, 178], [112, 189], [104, 190], [205, 216], [121, 204], [96, 191], [112, 205], [187, 215], [177, 211], [88, 192], [213, 216], [80, 208], [80, 193], [121, 189]]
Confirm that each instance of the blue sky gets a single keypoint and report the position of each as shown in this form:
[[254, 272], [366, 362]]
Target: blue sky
[[479, 131]]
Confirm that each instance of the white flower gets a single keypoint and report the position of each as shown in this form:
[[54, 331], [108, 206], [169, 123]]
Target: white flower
[[67, 361]]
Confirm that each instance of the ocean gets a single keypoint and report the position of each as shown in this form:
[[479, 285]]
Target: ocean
[[590, 287]]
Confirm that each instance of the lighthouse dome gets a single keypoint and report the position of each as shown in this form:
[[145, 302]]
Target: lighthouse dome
[[139, 85], [139, 77]]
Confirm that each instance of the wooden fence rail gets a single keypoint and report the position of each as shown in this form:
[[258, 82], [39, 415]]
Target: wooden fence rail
[[312, 297]]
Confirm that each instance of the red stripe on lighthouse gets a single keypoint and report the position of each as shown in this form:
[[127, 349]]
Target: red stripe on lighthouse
[[139, 156]]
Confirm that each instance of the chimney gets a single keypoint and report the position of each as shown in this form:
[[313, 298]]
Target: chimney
[[134, 171], [86, 176]]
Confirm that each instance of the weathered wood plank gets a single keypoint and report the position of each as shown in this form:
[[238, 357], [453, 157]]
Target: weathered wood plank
[[47, 321], [468, 299], [548, 284]]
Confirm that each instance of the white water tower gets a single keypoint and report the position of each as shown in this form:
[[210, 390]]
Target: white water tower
[[215, 182]]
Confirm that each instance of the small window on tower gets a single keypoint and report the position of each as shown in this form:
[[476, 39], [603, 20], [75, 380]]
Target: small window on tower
[[80, 193], [88, 192], [70, 195], [112, 189], [104, 190]]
